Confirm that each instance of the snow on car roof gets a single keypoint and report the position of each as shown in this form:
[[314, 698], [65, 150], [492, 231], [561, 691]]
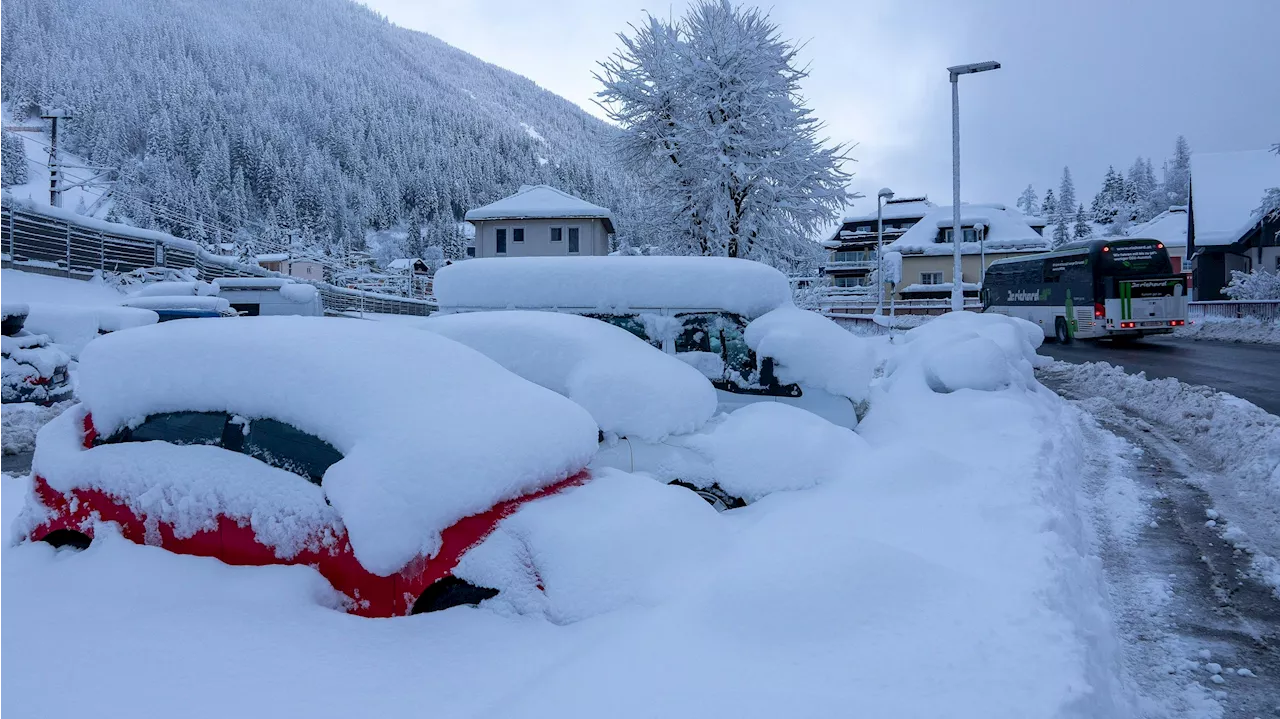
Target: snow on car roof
[[1226, 189], [540, 201], [251, 283], [630, 387], [1004, 231], [612, 284], [431, 431], [178, 302]]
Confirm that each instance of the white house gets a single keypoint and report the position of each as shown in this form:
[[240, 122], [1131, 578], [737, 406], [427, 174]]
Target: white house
[[280, 262], [541, 221]]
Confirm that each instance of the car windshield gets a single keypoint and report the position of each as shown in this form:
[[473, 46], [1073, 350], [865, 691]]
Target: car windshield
[[270, 441]]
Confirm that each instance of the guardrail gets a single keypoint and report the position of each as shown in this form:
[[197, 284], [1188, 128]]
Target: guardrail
[[1263, 310], [55, 241]]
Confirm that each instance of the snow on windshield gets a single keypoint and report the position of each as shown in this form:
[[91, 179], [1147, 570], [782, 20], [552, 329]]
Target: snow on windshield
[[631, 388], [431, 431]]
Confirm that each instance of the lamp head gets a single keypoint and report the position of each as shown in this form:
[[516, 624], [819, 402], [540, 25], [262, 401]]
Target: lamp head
[[886, 193], [957, 70]]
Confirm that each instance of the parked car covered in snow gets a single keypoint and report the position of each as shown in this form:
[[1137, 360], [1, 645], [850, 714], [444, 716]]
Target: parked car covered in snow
[[253, 296], [732, 319], [238, 440], [34, 371], [182, 307]]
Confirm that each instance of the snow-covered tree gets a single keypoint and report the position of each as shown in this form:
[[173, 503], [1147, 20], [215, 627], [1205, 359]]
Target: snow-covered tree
[[711, 114], [1177, 174], [13, 160], [1049, 208], [1027, 201], [1062, 216], [1259, 284], [1082, 228], [1110, 202], [1145, 191]]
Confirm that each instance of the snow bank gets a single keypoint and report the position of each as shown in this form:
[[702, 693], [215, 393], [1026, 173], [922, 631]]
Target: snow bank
[[612, 284], [631, 388], [71, 312], [418, 455], [811, 350], [1230, 329], [18, 286], [769, 447], [965, 350], [21, 421]]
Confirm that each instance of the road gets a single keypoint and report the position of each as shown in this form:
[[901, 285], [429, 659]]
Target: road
[[1251, 372]]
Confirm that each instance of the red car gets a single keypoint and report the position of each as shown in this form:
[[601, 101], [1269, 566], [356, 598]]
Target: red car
[[250, 489]]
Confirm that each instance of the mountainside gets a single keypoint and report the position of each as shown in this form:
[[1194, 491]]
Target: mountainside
[[315, 119]]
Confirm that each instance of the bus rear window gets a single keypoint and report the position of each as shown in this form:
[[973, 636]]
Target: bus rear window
[[1135, 258]]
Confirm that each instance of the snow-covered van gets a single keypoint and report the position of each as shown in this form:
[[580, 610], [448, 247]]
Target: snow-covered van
[[253, 296], [732, 319]]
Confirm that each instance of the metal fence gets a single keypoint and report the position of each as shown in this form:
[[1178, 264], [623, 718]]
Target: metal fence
[[55, 242], [1263, 310]]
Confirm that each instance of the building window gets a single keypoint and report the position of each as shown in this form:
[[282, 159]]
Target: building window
[[471, 251], [557, 234], [517, 235], [970, 235], [500, 236], [574, 244], [930, 278]]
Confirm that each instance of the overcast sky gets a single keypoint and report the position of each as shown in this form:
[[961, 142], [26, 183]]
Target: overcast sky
[[1085, 83]]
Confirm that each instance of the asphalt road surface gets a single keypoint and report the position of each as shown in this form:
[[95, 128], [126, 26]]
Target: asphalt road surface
[[1248, 371]]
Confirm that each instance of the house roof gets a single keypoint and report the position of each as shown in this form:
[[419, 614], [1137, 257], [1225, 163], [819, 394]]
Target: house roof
[[1005, 231], [897, 209], [541, 202], [1170, 227], [1226, 189], [405, 263]]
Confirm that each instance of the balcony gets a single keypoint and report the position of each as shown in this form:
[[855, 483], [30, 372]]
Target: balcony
[[852, 260]]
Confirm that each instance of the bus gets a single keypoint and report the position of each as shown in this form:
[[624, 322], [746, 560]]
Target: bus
[[1120, 288]]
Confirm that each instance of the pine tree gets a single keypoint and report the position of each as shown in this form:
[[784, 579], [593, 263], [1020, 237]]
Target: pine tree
[[1177, 175], [1108, 204], [1066, 200], [1082, 229], [1049, 208], [13, 160], [1027, 201], [711, 115]]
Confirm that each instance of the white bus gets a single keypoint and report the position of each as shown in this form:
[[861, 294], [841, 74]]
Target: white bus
[[1119, 288]]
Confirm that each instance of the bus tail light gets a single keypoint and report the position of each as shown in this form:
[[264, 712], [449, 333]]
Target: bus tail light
[[1177, 323], [1099, 310], [1128, 325]]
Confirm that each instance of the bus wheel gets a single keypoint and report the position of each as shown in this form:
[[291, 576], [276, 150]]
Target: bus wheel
[[1061, 331]]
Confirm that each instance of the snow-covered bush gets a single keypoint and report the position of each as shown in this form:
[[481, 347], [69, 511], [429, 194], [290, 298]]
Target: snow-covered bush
[[1259, 284], [965, 350]]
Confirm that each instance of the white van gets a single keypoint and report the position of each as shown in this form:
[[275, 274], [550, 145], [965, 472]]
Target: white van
[[253, 296], [731, 319]]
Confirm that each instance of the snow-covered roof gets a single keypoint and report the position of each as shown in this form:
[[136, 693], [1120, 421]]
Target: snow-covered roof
[[405, 263], [1226, 189], [897, 209], [612, 284], [417, 457], [541, 202], [1170, 227], [273, 257], [630, 387], [1005, 231]]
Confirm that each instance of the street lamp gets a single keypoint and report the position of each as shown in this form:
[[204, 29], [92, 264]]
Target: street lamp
[[957, 232], [884, 194]]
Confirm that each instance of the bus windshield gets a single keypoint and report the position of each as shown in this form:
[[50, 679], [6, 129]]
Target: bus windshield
[[1140, 257]]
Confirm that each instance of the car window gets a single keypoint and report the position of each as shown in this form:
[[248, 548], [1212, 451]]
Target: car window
[[630, 323], [177, 428], [281, 445], [719, 333]]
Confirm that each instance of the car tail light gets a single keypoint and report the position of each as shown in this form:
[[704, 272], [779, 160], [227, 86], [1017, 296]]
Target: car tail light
[[90, 432], [1099, 309]]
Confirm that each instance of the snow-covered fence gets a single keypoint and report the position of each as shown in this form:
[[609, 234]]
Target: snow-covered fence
[[57, 241], [861, 305], [1263, 310]]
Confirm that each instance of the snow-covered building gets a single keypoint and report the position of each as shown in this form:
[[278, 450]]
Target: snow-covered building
[[541, 221], [1170, 227], [990, 232], [1226, 231], [853, 245], [302, 268]]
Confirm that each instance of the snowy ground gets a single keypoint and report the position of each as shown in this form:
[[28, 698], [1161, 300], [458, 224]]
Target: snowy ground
[[951, 577], [1232, 330]]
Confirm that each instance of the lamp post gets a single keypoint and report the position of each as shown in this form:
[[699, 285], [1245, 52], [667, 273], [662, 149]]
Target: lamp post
[[884, 194], [981, 230], [957, 232]]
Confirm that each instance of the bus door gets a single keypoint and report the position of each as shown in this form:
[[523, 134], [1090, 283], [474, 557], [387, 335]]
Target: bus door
[[1148, 303]]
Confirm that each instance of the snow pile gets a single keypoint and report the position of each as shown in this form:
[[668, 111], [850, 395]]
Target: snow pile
[[33, 352], [1238, 436], [417, 456], [21, 421], [811, 350], [769, 447], [300, 293], [613, 284], [965, 350], [1230, 329], [631, 388], [190, 486], [71, 312]]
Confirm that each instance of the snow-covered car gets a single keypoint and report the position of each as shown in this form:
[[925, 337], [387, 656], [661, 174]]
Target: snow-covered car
[[33, 370], [181, 307], [258, 442], [732, 319]]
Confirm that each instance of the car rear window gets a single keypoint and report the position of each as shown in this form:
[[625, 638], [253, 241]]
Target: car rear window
[[270, 441]]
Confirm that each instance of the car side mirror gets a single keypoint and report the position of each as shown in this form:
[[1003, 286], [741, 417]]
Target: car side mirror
[[767, 376]]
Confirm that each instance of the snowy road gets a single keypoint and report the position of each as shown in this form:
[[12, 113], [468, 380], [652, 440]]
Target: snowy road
[[1245, 370], [1200, 629]]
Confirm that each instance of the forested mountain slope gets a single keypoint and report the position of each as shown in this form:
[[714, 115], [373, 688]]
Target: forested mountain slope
[[315, 118]]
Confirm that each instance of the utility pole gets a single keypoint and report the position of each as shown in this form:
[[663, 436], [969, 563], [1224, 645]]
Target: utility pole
[[55, 190]]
